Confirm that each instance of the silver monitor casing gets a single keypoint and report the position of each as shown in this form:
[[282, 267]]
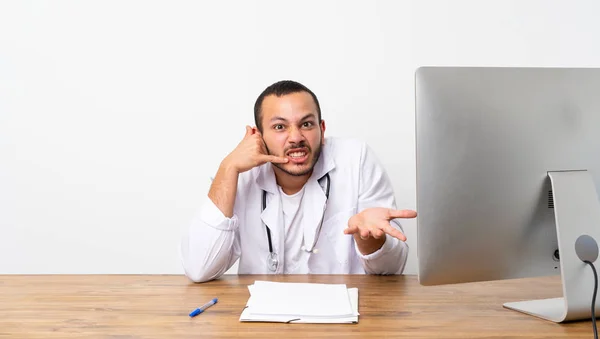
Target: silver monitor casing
[[506, 157]]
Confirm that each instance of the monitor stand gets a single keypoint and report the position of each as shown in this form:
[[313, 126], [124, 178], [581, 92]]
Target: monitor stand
[[577, 213]]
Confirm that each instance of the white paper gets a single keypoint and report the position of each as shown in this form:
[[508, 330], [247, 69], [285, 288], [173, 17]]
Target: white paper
[[301, 303]]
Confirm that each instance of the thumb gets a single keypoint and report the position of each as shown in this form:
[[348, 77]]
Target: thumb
[[248, 131], [402, 214]]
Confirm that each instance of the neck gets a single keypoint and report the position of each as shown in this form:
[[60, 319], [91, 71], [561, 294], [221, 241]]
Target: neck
[[290, 184]]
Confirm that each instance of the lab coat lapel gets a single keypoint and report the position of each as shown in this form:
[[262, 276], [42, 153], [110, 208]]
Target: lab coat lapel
[[272, 216], [314, 205], [314, 199]]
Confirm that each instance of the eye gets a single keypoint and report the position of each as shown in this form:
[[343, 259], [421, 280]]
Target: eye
[[278, 127], [307, 124]]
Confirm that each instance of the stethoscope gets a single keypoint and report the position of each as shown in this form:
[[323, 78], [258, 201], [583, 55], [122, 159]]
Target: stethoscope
[[272, 261]]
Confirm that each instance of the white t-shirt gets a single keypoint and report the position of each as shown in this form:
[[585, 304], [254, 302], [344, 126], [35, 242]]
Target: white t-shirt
[[293, 232]]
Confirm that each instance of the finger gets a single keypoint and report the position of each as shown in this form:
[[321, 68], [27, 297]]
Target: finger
[[275, 159], [387, 228], [351, 229], [402, 214], [262, 145], [377, 233], [364, 234], [248, 131]]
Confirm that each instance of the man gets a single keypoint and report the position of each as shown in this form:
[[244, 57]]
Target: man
[[288, 200]]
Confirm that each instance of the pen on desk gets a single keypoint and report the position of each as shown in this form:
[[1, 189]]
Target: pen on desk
[[203, 307]]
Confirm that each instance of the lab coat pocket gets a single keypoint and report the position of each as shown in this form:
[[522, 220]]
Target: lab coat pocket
[[338, 244]]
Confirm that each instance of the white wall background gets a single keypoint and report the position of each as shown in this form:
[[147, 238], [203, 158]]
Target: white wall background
[[114, 114]]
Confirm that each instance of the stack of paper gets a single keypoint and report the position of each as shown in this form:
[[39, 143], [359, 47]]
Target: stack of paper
[[301, 303]]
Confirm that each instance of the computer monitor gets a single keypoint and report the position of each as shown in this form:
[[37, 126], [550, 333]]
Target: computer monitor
[[507, 158]]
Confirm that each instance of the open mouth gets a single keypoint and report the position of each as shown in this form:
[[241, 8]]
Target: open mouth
[[298, 155]]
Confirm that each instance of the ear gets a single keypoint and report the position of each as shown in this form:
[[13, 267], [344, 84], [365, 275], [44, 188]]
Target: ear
[[322, 130]]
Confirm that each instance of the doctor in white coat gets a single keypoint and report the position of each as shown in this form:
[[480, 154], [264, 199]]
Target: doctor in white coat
[[287, 200]]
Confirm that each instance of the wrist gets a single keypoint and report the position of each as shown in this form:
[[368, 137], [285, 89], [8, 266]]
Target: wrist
[[369, 245], [227, 166]]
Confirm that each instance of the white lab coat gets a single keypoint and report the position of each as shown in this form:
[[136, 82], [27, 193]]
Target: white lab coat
[[213, 243]]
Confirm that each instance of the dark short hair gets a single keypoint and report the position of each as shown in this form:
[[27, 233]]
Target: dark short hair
[[279, 89]]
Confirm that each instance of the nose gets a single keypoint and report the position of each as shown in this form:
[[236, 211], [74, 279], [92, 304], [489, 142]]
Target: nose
[[295, 135]]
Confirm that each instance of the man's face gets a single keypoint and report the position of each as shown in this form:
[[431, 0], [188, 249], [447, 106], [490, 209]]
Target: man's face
[[291, 129]]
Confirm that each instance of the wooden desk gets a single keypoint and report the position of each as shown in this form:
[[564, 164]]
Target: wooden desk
[[158, 307]]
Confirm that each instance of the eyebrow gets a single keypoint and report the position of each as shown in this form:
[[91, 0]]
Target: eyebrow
[[309, 115]]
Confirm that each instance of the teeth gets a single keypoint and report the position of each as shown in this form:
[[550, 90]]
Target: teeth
[[297, 154]]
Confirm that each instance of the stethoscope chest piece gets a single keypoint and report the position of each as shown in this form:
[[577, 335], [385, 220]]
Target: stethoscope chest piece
[[272, 261]]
